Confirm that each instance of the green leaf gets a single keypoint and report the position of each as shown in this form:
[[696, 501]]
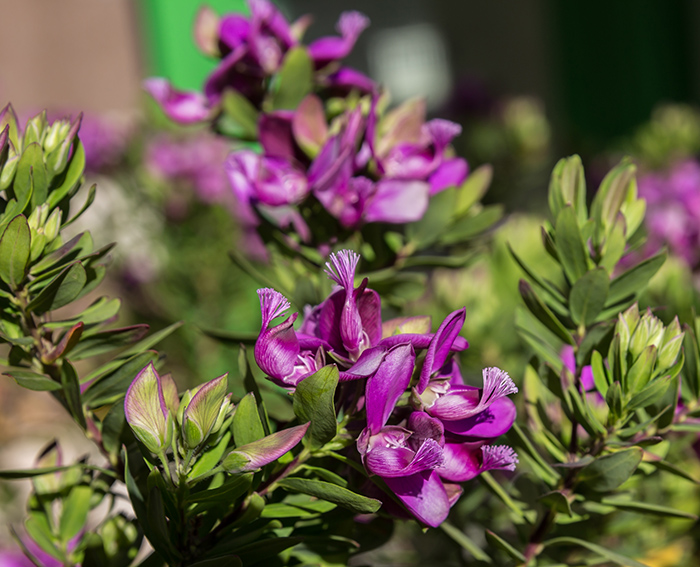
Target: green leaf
[[100, 311], [73, 175], [210, 458], [634, 280], [498, 542], [588, 296], [18, 474], [106, 341], [601, 551], [547, 287], [155, 516], [295, 79], [33, 381], [39, 529], [232, 337], [112, 386], [650, 394], [473, 189], [428, 229], [90, 198], [645, 508], [63, 289], [224, 561], [151, 340], [68, 252], [462, 539], [71, 391], [75, 511], [242, 114], [252, 386], [31, 181], [614, 399], [600, 375], [614, 246], [15, 247], [247, 426], [543, 313], [471, 226], [558, 501], [313, 401], [570, 247], [674, 470], [332, 493], [610, 471]]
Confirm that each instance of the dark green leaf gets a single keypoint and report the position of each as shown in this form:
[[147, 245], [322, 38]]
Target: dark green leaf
[[231, 337], [473, 189], [71, 391], [72, 250], [543, 313], [428, 229], [211, 457], [459, 537], [588, 296], [18, 474], [332, 493], [635, 280], [106, 341], [72, 176], [558, 501], [313, 401], [111, 387], [499, 543], [571, 249], [610, 471], [601, 551], [471, 226], [247, 426], [15, 246], [63, 289], [644, 508], [547, 287], [33, 381], [224, 561], [151, 340]]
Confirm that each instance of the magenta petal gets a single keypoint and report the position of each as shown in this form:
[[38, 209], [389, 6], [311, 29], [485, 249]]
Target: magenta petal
[[494, 421], [369, 305], [441, 345], [397, 201], [366, 365], [233, 30], [387, 384], [456, 404], [450, 173], [392, 462], [424, 495], [275, 134], [182, 107], [348, 78], [226, 75], [462, 461], [327, 49]]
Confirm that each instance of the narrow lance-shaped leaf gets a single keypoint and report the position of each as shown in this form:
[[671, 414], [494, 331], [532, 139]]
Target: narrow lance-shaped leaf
[[14, 251], [569, 244], [608, 472], [543, 313], [588, 296], [332, 493]]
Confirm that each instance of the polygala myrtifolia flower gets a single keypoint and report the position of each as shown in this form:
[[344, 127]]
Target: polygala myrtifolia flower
[[253, 50], [204, 410], [422, 449], [345, 328], [362, 167]]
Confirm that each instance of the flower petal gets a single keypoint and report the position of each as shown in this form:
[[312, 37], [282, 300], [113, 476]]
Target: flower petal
[[462, 461], [492, 422], [180, 106], [385, 386], [440, 346], [450, 173], [397, 201], [424, 495]]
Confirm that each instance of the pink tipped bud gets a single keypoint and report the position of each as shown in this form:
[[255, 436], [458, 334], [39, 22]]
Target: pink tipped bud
[[146, 411]]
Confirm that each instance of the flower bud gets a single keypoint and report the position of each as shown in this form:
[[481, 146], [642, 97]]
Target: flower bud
[[35, 129], [259, 453], [622, 329], [670, 346], [8, 172], [649, 332], [205, 411], [55, 135], [146, 411], [53, 225]]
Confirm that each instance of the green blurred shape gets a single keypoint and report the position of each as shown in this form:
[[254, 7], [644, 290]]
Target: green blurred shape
[[166, 27]]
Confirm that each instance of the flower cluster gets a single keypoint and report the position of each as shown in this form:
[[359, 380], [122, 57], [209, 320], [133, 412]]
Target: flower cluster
[[252, 51], [673, 205], [426, 430], [363, 166]]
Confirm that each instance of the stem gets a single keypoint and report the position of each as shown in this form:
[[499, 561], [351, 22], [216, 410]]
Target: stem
[[534, 545]]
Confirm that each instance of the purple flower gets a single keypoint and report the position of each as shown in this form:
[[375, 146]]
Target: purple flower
[[673, 210], [286, 358], [252, 50]]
